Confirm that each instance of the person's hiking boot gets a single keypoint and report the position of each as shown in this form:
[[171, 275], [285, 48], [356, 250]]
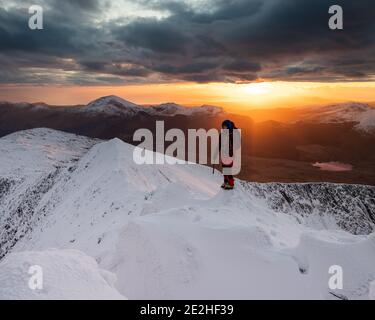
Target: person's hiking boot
[[227, 186], [224, 183]]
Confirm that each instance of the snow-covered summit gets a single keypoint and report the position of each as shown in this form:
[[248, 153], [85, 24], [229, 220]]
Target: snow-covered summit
[[112, 100], [169, 231], [361, 113], [113, 105], [166, 109], [30, 153]]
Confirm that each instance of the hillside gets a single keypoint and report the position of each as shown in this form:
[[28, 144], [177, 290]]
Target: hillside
[[169, 232]]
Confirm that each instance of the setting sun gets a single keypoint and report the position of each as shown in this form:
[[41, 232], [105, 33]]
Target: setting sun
[[257, 88]]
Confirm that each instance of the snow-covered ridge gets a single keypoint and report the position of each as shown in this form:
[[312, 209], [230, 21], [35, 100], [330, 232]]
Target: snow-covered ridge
[[175, 109], [116, 106], [119, 106], [31, 163], [169, 231], [350, 207], [361, 113]]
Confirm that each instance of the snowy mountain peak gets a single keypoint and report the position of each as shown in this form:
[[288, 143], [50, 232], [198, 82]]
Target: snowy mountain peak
[[112, 105], [111, 100]]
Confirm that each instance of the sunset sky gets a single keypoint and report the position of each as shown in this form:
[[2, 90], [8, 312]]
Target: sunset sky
[[239, 54]]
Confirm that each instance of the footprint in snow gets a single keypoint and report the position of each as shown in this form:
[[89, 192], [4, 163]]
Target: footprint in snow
[[197, 218], [273, 233]]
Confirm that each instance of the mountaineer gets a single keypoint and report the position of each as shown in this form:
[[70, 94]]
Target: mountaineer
[[227, 154]]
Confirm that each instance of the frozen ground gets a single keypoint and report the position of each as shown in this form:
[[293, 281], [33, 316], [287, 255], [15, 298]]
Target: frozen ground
[[66, 274], [170, 232]]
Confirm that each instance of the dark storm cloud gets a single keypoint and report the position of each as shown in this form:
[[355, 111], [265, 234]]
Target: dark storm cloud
[[119, 69], [242, 65], [267, 38], [157, 36], [206, 77], [81, 4], [61, 37], [221, 40], [192, 68], [69, 36]]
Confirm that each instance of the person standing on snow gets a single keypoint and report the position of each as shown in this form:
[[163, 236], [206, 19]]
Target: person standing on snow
[[227, 154]]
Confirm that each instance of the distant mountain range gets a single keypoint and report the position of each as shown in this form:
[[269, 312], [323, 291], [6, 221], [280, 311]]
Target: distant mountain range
[[111, 117], [116, 106], [286, 145], [362, 115]]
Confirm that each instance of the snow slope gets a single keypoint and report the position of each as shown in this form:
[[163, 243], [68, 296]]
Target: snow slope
[[366, 121], [372, 291], [67, 274], [361, 113], [170, 232], [171, 109], [32, 161], [321, 205]]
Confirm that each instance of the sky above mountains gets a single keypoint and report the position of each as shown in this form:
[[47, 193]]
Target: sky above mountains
[[110, 43]]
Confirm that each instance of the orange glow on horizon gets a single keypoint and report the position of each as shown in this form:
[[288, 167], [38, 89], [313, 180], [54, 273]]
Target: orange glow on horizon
[[234, 97]]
